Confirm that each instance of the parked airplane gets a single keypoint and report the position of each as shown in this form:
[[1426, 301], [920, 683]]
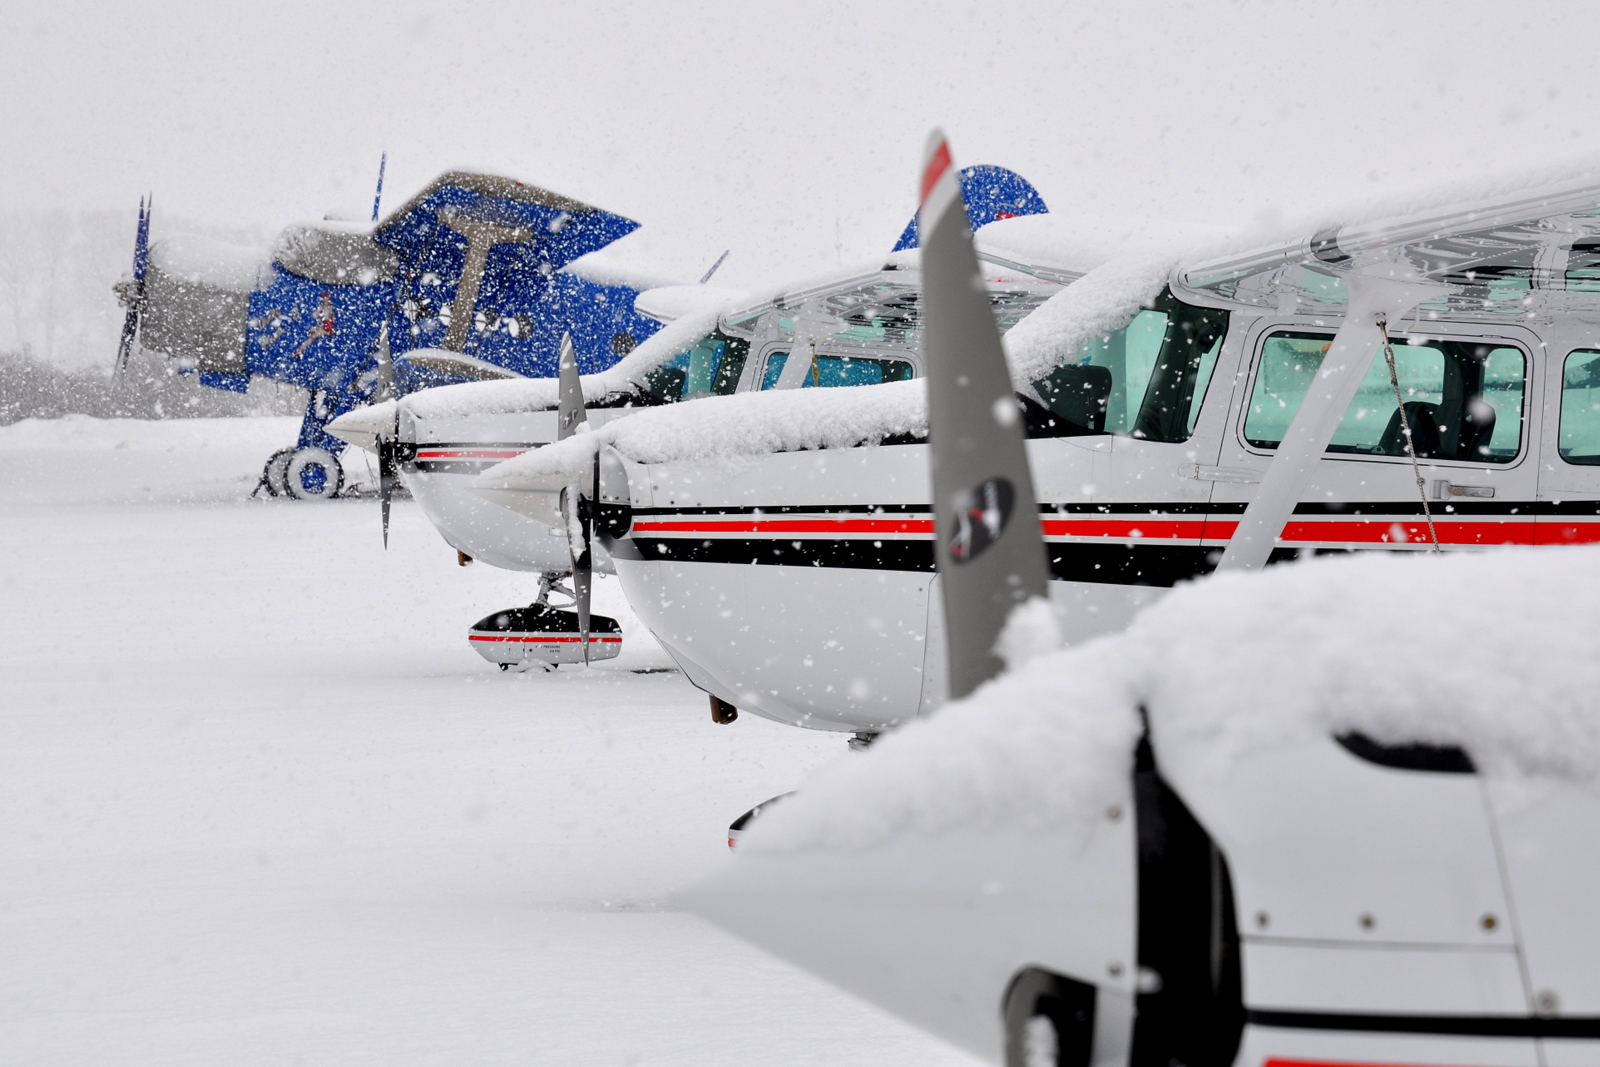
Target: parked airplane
[[858, 325], [1169, 849], [798, 582], [473, 278]]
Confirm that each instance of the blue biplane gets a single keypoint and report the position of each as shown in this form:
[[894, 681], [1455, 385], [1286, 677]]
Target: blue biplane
[[463, 282]]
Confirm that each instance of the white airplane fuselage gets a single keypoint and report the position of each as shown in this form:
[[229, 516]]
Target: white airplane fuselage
[[441, 455], [799, 586]]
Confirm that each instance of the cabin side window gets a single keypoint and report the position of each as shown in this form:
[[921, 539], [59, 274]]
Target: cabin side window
[[829, 372], [1146, 380], [1580, 408], [710, 368], [1463, 399]]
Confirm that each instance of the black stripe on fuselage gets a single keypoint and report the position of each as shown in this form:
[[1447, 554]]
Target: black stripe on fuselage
[[1457, 1025], [1502, 508], [1097, 564], [450, 466]]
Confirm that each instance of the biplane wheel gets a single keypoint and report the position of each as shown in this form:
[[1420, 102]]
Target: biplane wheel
[[314, 474], [275, 473]]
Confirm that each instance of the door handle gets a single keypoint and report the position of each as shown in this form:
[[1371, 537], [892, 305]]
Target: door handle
[[1443, 490], [1237, 475]]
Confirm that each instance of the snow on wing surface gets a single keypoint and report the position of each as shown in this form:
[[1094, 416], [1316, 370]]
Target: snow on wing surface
[[361, 426], [725, 427], [749, 424], [1239, 664]]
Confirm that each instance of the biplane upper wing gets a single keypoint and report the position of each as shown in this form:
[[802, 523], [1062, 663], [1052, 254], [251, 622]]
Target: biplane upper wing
[[556, 229]]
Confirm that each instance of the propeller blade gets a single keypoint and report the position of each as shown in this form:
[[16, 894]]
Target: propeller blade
[[130, 330], [141, 241], [132, 293], [989, 546], [388, 449], [582, 585], [570, 409], [388, 444], [574, 505], [587, 495]]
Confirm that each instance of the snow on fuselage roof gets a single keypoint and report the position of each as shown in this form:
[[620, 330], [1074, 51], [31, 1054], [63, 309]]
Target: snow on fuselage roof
[[217, 264], [841, 294], [1437, 239]]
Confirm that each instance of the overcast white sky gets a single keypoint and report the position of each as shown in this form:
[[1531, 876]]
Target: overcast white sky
[[782, 131]]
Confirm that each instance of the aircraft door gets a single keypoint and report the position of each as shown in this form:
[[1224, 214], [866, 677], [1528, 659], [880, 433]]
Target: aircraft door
[[1467, 405], [1569, 468], [1545, 828], [1123, 512]]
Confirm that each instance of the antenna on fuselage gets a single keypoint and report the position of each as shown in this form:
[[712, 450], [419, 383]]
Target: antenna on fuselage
[[987, 541], [706, 277], [377, 198]]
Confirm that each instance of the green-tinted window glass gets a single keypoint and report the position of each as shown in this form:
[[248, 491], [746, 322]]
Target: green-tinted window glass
[[1146, 380], [1463, 400], [1580, 408], [712, 365], [829, 372]]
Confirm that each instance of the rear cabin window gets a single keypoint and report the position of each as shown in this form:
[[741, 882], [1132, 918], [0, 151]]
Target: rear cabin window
[[1146, 380], [711, 368], [1583, 267], [1580, 408], [1463, 399], [832, 371]]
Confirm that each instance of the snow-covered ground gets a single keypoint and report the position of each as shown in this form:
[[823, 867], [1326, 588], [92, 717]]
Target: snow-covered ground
[[260, 803]]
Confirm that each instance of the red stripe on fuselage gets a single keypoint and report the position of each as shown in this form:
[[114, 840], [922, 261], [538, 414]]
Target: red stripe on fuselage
[[1297, 531], [1564, 532], [461, 453], [541, 640], [788, 526], [1273, 1061], [1393, 531]]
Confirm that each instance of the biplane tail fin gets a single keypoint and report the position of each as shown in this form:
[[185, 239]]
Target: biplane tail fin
[[991, 194]]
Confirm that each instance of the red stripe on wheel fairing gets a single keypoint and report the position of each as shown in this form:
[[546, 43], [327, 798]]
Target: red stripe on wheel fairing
[[542, 640]]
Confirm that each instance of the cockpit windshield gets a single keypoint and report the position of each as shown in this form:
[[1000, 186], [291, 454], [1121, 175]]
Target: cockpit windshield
[[1146, 380], [711, 368]]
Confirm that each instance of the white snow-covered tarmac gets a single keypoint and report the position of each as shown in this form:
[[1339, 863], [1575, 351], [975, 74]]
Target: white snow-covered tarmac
[[261, 804]]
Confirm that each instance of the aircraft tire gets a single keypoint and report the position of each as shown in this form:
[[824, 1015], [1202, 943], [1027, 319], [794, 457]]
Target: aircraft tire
[[314, 474], [275, 473]]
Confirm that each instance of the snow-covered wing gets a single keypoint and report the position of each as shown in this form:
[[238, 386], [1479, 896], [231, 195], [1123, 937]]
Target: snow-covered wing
[[1523, 251]]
